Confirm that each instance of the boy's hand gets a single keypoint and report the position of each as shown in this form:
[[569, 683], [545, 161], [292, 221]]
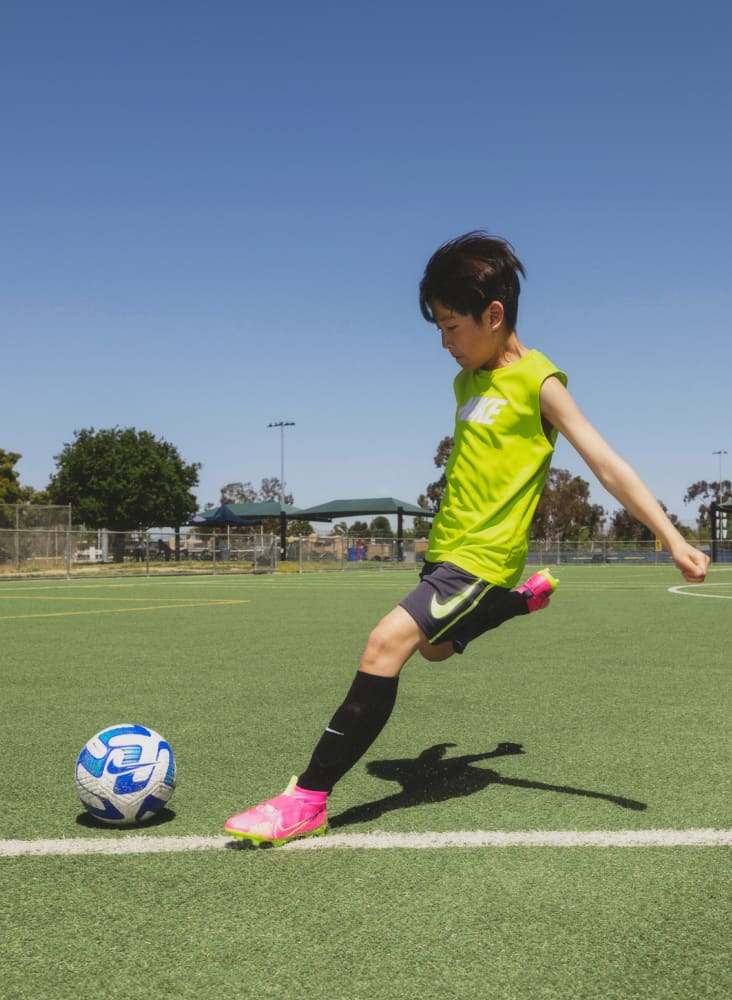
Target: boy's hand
[[692, 563]]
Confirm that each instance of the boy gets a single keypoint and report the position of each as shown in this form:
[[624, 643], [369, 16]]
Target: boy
[[511, 404]]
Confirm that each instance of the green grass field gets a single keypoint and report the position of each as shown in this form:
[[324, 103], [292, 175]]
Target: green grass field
[[608, 712]]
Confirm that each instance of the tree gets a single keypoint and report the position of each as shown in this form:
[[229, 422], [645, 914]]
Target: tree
[[299, 528], [238, 493], [626, 528], [432, 497], [269, 492], [564, 510], [32, 496], [123, 479], [708, 493], [10, 488], [421, 527], [381, 528]]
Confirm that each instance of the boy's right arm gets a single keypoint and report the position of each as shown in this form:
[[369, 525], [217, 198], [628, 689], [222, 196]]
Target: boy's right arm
[[558, 407]]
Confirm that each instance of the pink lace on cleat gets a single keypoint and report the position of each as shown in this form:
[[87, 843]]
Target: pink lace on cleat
[[538, 589], [296, 813]]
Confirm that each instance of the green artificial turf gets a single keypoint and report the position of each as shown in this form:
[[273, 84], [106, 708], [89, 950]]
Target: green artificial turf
[[609, 711], [513, 923]]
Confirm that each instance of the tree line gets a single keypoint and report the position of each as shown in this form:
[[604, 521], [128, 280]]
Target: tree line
[[565, 510], [126, 480]]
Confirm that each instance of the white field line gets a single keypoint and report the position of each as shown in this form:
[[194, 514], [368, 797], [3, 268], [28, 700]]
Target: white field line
[[145, 844], [682, 591]]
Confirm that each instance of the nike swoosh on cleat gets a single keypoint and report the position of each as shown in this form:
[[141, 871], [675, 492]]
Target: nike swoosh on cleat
[[278, 831], [334, 731], [442, 609]]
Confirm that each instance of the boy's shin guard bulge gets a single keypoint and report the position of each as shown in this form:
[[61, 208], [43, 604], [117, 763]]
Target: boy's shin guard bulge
[[351, 731]]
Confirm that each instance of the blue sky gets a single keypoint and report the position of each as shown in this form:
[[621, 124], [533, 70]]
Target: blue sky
[[215, 216]]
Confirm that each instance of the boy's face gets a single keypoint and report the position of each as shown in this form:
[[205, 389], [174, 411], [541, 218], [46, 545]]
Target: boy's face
[[473, 344]]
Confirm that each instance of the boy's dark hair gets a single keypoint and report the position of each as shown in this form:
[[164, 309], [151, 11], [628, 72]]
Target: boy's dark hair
[[470, 272]]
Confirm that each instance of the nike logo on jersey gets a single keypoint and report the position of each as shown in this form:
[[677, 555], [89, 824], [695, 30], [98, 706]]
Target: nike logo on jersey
[[443, 609], [482, 409]]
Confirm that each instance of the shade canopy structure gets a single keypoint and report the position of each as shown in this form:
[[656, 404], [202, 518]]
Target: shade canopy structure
[[371, 506], [256, 511], [223, 516], [719, 513], [357, 508]]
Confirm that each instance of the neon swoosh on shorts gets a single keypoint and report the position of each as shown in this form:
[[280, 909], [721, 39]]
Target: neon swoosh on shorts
[[442, 609]]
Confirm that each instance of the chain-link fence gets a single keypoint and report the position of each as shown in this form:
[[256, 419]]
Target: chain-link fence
[[27, 515], [323, 552], [603, 551], [29, 552], [326, 552], [60, 551], [34, 535]]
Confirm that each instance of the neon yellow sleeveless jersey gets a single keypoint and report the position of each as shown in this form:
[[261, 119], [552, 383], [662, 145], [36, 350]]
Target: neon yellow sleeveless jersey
[[496, 471]]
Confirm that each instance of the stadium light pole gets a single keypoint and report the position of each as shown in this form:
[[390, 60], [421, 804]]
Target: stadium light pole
[[719, 487], [282, 424]]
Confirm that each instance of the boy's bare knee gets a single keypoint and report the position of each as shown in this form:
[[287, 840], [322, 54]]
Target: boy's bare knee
[[376, 647], [390, 644]]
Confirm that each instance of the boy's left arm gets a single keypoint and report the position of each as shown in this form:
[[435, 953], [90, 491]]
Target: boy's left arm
[[618, 478]]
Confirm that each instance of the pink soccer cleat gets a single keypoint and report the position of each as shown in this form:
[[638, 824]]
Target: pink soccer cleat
[[538, 589], [296, 813]]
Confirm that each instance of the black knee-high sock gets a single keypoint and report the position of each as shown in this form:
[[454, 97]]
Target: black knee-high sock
[[351, 731]]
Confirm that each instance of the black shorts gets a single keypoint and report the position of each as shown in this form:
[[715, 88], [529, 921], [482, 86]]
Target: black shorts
[[451, 605]]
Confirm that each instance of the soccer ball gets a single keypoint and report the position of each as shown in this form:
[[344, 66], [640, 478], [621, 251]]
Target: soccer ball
[[125, 774]]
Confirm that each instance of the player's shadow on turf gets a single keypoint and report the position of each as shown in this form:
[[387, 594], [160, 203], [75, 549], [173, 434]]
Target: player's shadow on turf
[[433, 778]]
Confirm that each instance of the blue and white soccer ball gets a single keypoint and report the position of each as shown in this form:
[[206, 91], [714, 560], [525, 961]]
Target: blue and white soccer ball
[[125, 774]]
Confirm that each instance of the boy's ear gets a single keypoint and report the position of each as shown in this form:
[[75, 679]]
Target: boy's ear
[[494, 314]]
